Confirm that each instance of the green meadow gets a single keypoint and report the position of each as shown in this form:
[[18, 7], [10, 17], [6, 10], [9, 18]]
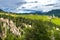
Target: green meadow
[[42, 27]]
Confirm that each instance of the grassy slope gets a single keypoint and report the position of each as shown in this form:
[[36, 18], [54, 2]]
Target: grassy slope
[[44, 18], [55, 20]]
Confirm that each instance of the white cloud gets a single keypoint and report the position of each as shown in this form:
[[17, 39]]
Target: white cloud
[[22, 6], [43, 2]]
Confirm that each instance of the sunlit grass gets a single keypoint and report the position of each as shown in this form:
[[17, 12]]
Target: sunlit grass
[[35, 17], [56, 21]]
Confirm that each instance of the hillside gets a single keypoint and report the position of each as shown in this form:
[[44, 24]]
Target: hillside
[[1, 10], [29, 27], [55, 12]]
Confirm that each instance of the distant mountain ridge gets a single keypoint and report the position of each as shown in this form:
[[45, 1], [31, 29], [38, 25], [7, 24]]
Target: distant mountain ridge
[[55, 12], [1, 10]]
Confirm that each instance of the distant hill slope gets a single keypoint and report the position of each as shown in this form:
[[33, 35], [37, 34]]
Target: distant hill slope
[[55, 12], [1, 10]]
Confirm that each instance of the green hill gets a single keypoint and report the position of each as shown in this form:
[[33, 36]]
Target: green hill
[[55, 12], [31, 27]]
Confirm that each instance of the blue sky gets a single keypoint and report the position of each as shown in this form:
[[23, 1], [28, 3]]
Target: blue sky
[[26, 6]]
